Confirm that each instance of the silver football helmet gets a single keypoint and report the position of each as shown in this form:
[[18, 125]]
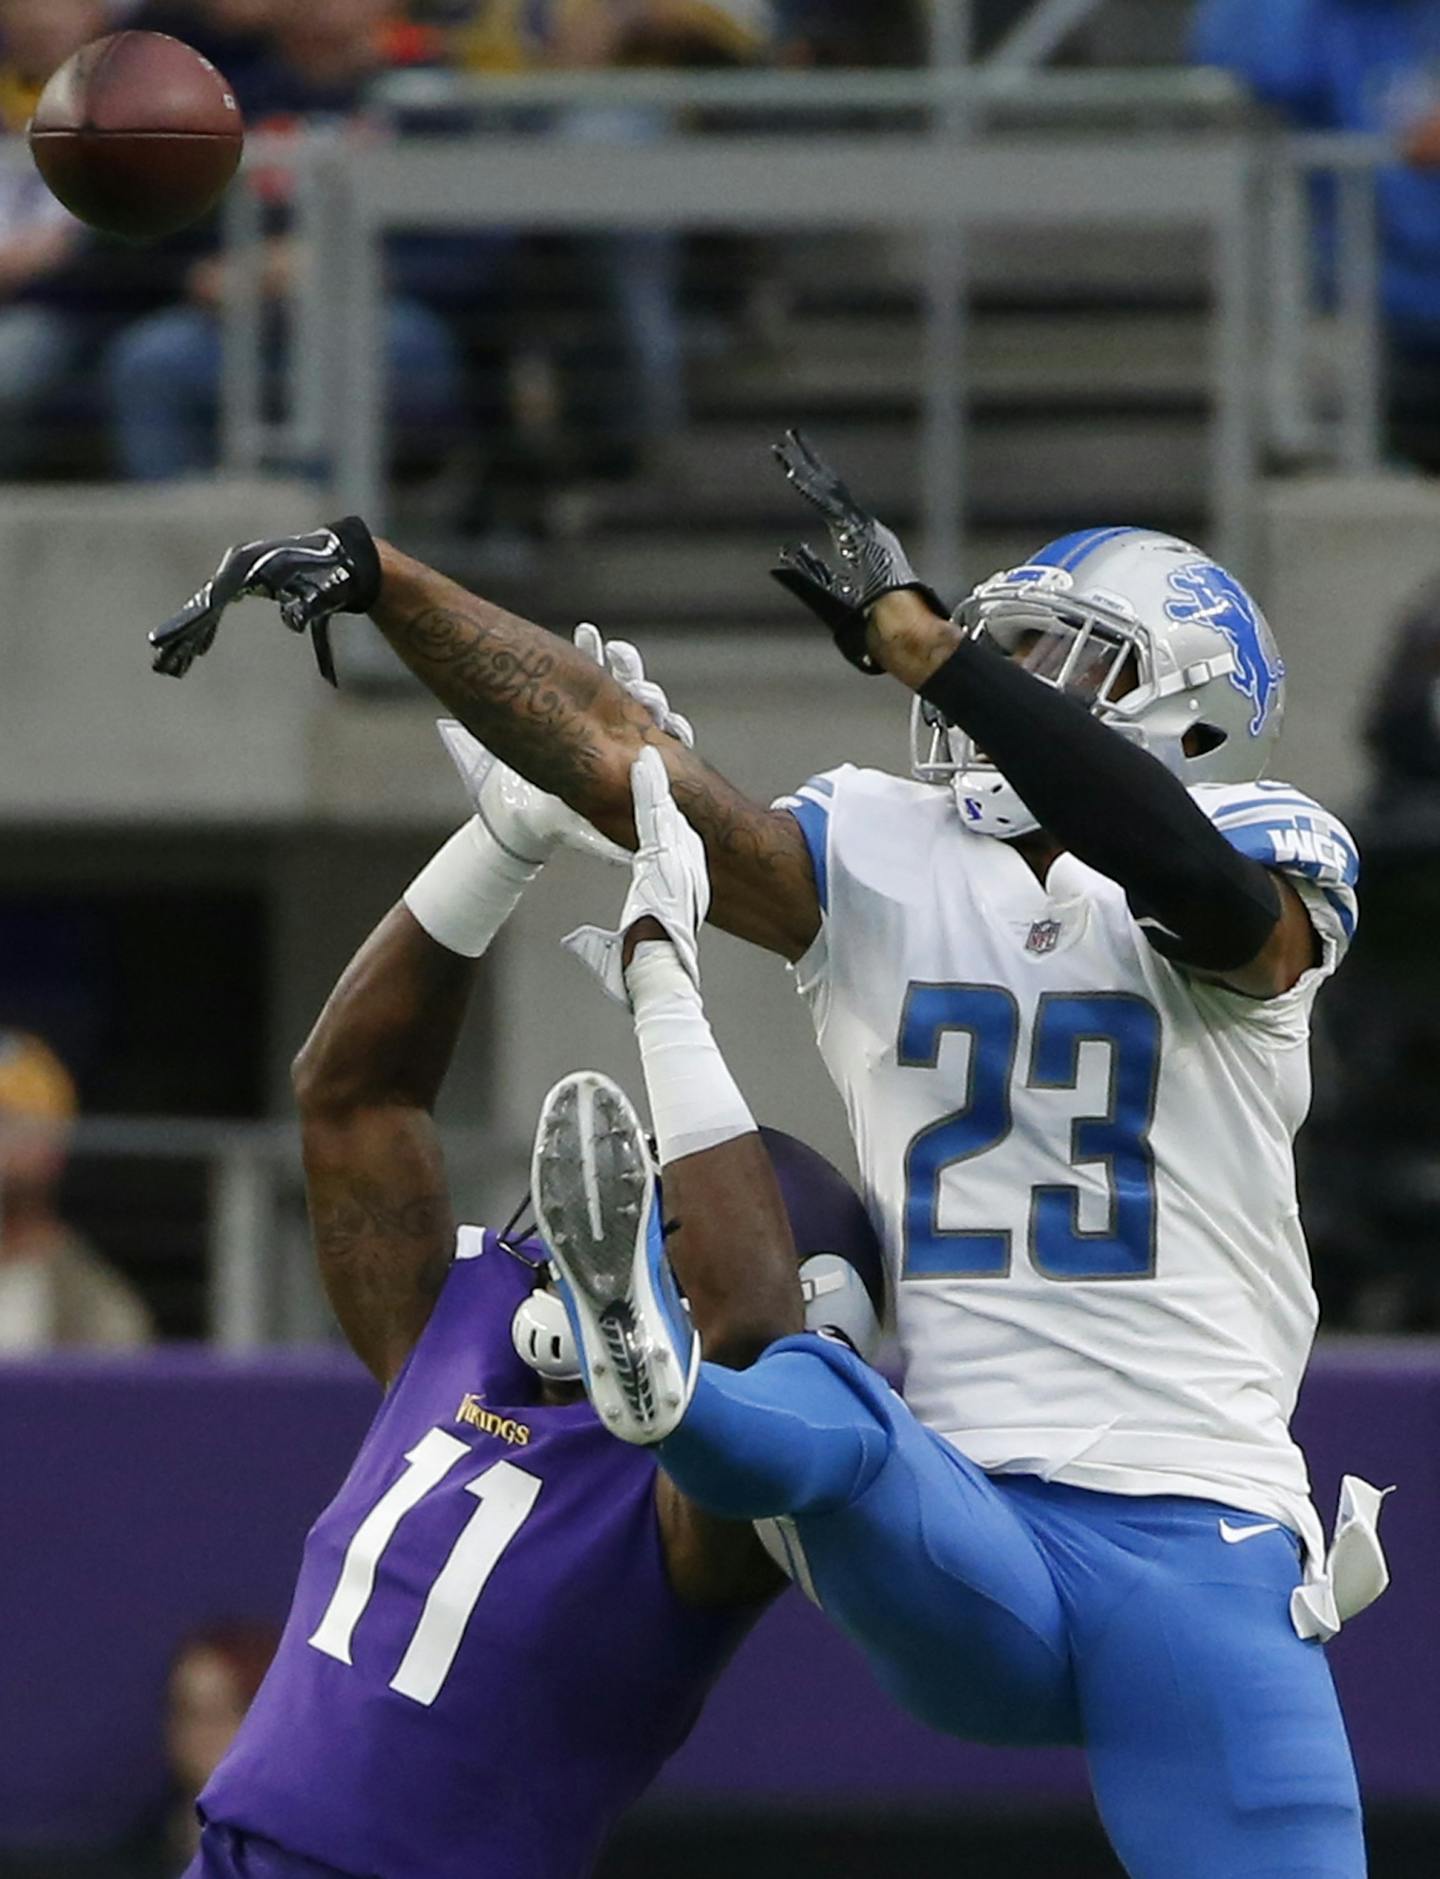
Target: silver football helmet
[[1159, 640]]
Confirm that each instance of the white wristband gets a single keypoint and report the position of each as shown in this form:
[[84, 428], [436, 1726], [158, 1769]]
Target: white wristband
[[695, 1103], [465, 894]]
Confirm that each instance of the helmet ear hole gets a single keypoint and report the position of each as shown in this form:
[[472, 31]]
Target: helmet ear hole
[[541, 1334], [1201, 739]]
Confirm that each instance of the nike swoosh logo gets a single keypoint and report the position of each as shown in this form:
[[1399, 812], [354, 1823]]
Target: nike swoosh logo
[[1234, 1535]]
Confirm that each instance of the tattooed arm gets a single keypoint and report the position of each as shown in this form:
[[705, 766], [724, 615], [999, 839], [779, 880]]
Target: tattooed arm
[[365, 1084], [544, 709]]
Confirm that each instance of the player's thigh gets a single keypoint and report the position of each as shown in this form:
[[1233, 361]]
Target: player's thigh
[[1215, 1740], [953, 1601]]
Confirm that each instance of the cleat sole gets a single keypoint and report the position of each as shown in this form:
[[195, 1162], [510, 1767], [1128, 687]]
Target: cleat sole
[[593, 1187]]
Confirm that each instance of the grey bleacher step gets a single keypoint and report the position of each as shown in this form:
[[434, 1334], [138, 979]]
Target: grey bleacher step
[[701, 577], [673, 576], [1062, 265], [1029, 465], [834, 360], [1136, 32]]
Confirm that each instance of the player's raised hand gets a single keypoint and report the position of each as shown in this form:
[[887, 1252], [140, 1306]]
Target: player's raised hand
[[624, 664], [872, 561], [669, 882], [329, 570], [527, 820]]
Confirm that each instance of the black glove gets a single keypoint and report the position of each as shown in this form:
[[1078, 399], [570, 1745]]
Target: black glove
[[872, 561], [330, 570]]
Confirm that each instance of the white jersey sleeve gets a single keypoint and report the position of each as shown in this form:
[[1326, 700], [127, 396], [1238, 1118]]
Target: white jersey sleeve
[[871, 839], [1284, 829], [811, 806]]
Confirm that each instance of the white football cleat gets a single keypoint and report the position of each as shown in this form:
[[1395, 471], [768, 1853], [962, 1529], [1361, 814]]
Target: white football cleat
[[598, 1210]]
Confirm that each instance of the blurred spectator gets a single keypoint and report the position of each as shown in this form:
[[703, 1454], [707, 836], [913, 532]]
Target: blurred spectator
[[518, 35], [233, 34], [630, 405], [213, 1680], [55, 1290], [164, 371], [643, 270], [1373, 66], [39, 342], [849, 33]]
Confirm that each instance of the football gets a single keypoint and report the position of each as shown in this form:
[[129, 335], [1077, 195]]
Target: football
[[137, 135]]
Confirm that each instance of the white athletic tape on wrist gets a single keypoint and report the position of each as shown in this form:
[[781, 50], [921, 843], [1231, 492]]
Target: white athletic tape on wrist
[[465, 894], [694, 1101]]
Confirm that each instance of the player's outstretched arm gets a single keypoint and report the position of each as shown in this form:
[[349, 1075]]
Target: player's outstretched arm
[[365, 1086], [731, 1244], [367, 1078], [572, 730], [540, 704], [1197, 900], [728, 1237]]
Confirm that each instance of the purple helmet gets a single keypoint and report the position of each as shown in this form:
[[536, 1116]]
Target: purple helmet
[[842, 1269]]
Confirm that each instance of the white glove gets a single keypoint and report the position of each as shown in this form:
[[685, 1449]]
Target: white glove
[[669, 881], [530, 823], [627, 668]]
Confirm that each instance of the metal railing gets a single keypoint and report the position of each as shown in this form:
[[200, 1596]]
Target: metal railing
[[260, 1281], [1040, 33], [1328, 411], [963, 148], [993, 89], [967, 163]]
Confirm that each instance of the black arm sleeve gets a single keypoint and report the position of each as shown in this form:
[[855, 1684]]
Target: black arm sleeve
[[1115, 806]]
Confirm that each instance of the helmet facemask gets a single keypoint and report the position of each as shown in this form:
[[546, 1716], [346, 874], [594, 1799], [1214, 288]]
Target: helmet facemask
[[1093, 649]]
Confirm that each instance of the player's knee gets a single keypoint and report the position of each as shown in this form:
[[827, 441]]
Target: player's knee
[[743, 1339]]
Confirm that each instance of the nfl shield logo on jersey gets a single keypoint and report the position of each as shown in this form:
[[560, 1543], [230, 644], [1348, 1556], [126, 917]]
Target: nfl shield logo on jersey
[[1044, 935]]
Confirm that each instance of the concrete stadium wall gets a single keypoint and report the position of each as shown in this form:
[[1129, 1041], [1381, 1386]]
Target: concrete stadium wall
[[86, 730], [1340, 558]]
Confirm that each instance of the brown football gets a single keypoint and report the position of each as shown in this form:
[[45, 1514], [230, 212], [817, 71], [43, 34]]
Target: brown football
[[137, 134]]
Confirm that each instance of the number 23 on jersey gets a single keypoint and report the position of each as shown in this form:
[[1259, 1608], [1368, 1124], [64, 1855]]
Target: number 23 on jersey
[[1127, 1027]]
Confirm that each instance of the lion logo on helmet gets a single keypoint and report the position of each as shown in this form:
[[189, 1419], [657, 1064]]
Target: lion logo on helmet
[[1206, 594]]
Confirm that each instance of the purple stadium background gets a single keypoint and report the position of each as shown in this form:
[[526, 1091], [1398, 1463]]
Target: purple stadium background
[[144, 1497]]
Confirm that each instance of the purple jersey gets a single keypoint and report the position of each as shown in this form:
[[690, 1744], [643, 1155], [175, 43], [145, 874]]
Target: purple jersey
[[484, 1662]]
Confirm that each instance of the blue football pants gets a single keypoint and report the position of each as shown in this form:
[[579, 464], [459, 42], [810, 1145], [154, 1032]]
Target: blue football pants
[[1010, 1609]]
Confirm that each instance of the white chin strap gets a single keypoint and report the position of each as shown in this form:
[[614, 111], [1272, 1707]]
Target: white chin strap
[[541, 1334], [989, 806]]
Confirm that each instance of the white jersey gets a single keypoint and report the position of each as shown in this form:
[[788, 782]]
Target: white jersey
[[1079, 1156]]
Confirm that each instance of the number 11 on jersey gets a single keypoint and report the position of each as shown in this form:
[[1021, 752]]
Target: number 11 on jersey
[[506, 1495]]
